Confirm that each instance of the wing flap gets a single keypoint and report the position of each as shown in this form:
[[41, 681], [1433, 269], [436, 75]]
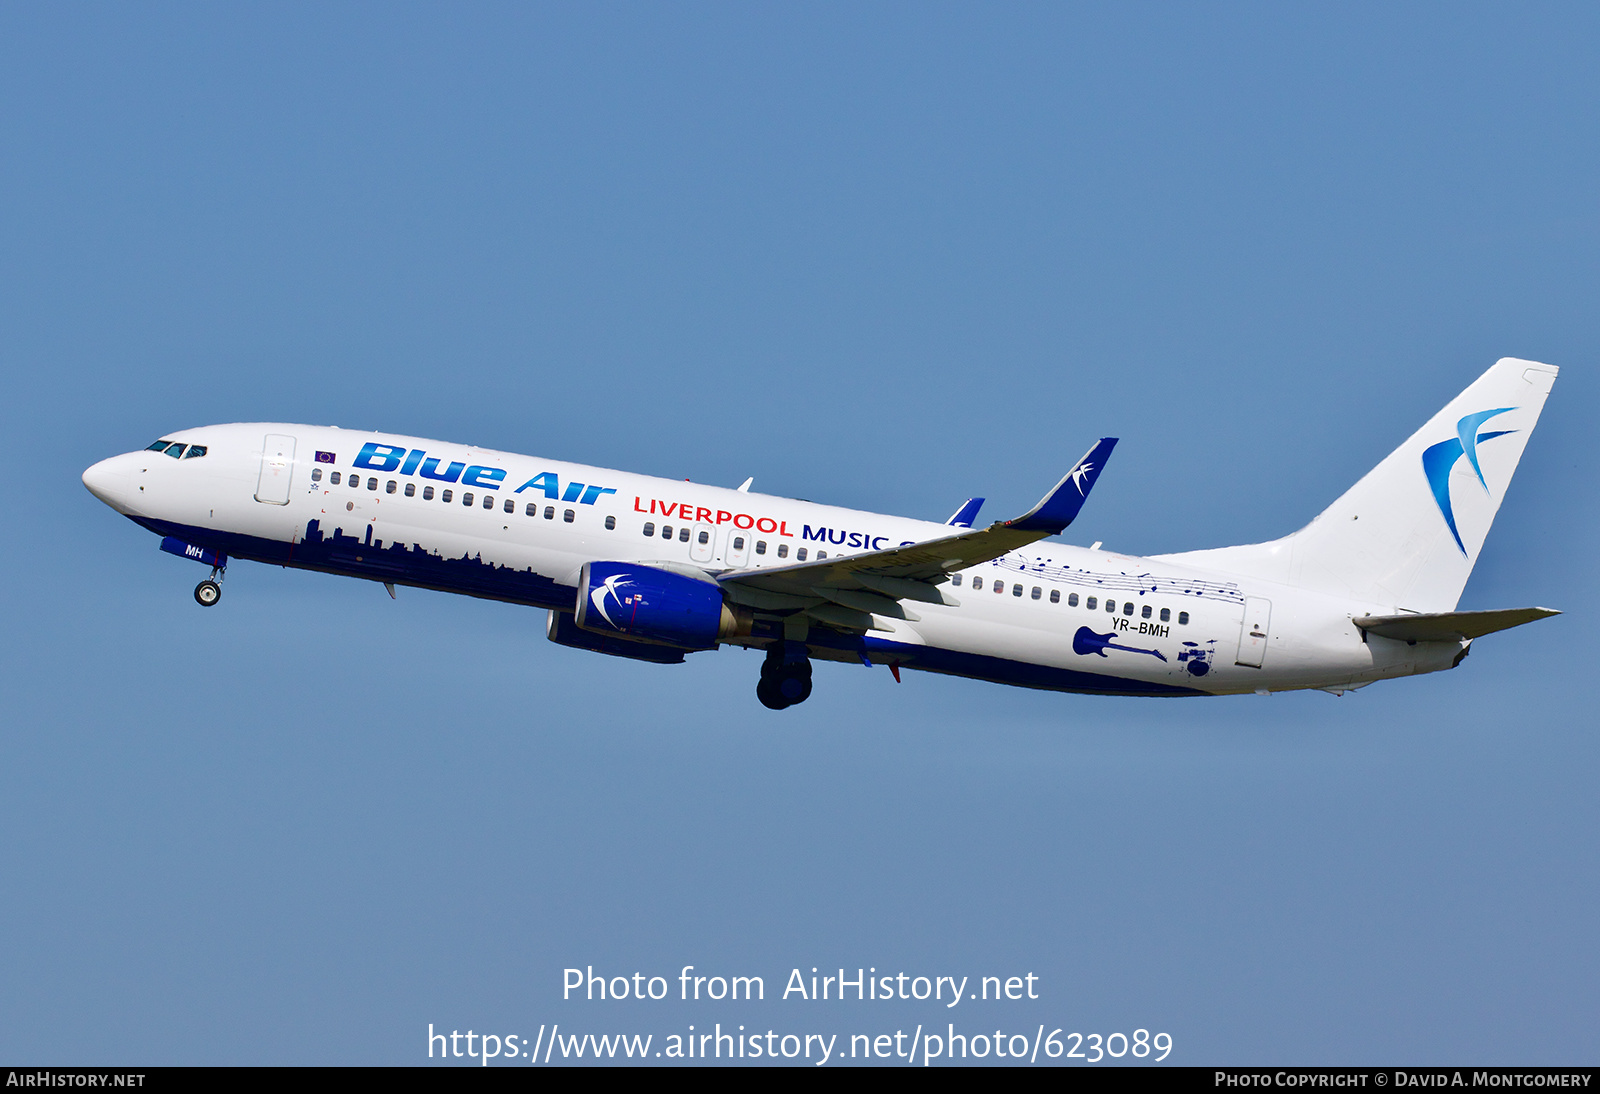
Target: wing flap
[[847, 618], [871, 603]]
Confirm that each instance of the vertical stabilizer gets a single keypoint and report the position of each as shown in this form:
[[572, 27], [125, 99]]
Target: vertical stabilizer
[[1410, 531]]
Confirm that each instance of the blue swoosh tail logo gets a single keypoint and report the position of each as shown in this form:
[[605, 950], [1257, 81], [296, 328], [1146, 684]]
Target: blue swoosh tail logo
[[1438, 460]]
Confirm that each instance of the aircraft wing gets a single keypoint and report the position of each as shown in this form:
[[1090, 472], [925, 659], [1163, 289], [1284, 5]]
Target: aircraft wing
[[1449, 626], [875, 581]]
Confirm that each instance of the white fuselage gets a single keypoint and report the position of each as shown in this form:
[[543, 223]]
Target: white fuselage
[[1158, 625]]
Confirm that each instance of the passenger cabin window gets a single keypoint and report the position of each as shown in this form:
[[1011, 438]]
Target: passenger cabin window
[[355, 482], [1183, 619], [1111, 605], [683, 534], [649, 527], [334, 478], [567, 515], [466, 498], [955, 579], [738, 543], [411, 489], [316, 474], [1055, 596], [1072, 600], [761, 546], [445, 497], [1144, 612], [783, 550], [195, 450], [1091, 603], [511, 505], [800, 555], [488, 501], [1036, 592], [705, 537], [391, 487], [666, 531], [1166, 615], [1016, 590], [1127, 608], [821, 555], [532, 510], [427, 493], [549, 512], [1000, 585], [372, 484], [611, 523]]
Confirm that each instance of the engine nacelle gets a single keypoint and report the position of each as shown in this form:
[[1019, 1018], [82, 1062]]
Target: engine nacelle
[[564, 632], [651, 604]]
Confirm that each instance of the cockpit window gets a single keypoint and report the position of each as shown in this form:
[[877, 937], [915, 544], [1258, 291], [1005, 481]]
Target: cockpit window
[[159, 446], [176, 451], [195, 450]]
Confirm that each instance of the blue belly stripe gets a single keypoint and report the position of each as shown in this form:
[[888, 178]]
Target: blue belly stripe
[[348, 556], [337, 553]]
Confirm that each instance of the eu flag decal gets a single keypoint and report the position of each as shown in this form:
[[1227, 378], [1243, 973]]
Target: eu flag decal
[[325, 457]]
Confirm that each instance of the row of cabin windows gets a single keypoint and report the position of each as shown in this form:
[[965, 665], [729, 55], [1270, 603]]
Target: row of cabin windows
[[703, 537], [1091, 604], [666, 532], [446, 495], [683, 533], [178, 451]]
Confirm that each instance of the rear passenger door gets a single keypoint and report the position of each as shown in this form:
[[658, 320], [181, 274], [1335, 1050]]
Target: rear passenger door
[[1253, 632]]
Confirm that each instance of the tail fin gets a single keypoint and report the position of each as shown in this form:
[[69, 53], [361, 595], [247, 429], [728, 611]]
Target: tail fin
[[1410, 531]]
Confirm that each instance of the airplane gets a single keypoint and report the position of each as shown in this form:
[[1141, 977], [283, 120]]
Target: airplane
[[654, 569]]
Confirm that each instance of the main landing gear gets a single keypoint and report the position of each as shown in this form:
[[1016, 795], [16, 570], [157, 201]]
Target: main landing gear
[[785, 676], [209, 591]]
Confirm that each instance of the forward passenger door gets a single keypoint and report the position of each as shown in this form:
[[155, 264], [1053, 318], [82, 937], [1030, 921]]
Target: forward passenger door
[[277, 468]]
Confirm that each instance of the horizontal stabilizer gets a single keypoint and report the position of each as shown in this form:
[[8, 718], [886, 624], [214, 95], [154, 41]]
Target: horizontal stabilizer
[[1449, 626]]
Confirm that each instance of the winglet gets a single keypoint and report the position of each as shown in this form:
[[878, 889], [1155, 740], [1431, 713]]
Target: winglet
[[963, 517], [1059, 508]]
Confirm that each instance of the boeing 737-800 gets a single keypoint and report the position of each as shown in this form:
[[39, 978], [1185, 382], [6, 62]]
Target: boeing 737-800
[[653, 569]]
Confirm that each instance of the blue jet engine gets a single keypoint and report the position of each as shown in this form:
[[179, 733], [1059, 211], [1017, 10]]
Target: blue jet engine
[[650, 604]]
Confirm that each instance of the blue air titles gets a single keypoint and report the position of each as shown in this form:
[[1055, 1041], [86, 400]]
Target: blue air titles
[[397, 460], [550, 484]]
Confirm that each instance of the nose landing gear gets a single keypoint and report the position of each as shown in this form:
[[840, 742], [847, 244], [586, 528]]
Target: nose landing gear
[[209, 591], [785, 676]]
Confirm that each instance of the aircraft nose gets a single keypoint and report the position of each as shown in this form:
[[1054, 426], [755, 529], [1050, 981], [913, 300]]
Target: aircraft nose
[[108, 481]]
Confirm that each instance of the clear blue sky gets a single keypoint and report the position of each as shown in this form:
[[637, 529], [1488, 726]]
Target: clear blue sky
[[882, 256]]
